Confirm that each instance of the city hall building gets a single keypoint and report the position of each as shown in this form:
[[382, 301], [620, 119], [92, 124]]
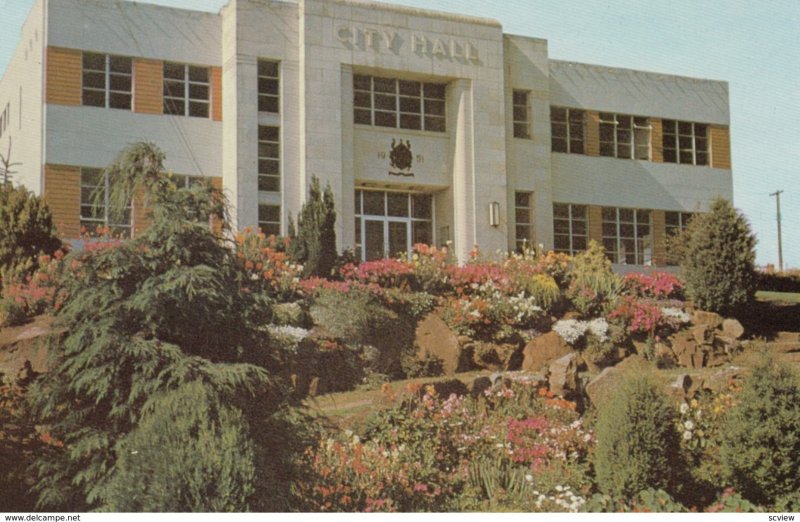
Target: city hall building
[[429, 127]]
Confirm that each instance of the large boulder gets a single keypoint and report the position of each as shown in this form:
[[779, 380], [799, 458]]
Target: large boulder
[[732, 328], [26, 344], [602, 387], [435, 338], [496, 357], [542, 351], [710, 319], [563, 377]]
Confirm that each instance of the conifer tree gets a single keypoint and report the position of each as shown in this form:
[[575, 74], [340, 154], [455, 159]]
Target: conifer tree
[[717, 252], [26, 229], [160, 314], [314, 245]]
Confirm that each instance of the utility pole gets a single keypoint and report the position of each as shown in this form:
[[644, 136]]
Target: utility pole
[[777, 195]]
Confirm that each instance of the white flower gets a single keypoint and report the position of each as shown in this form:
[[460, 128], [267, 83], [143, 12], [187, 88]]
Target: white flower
[[689, 425], [687, 435], [529, 478], [675, 313], [684, 408], [599, 328], [571, 330], [698, 414]]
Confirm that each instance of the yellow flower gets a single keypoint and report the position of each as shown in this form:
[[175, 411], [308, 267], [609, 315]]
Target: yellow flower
[[694, 403]]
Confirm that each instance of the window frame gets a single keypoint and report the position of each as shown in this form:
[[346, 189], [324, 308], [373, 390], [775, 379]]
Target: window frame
[[672, 230], [411, 218], [108, 76], [675, 140], [366, 103], [521, 127], [569, 125], [639, 251], [267, 226], [572, 219], [264, 95], [263, 160], [525, 242], [619, 125], [91, 222], [187, 100]]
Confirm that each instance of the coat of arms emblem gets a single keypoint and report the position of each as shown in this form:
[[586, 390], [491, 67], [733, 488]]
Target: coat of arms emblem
[[401, 158]]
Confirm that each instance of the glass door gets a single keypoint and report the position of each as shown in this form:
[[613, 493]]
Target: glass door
[[398, 238], [375, 241]]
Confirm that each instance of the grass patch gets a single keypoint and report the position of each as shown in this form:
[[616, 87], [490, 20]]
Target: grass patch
[[778, 297]]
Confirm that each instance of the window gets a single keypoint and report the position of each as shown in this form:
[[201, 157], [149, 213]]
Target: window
[[186, 181], [269, 219], [269, 172], [523, 217], [187, 90], [676, 222], [107, 81], [623, 136], [268, 86], [400, 104], [566, 127], [390, 223], [522, 114], [626, 236], [685, 142], [570, 228], [95, 214]]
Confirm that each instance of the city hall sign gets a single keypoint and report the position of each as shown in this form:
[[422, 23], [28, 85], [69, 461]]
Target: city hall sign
[[387, 40]]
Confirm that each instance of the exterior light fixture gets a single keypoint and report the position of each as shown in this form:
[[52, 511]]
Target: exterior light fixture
[[494, 214]]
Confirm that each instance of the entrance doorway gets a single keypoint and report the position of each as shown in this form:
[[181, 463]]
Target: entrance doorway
[[388, 224]]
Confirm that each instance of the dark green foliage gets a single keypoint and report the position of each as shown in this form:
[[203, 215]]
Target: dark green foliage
[[11, 314], [638, 446], [717, 258], [314, 245], [761, 439], [359, 318], [191, 452], [26, 229], [145, 318]]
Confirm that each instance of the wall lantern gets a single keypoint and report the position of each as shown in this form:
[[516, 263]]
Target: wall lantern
[[494, 214]]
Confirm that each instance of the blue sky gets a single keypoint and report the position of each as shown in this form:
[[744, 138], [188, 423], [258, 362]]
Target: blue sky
[[754, 45]]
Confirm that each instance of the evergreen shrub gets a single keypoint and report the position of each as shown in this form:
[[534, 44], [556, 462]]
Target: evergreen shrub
[[638, 446]]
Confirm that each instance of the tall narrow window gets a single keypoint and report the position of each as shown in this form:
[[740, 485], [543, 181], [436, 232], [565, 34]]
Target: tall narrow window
[[685, 142], [95, 214], [187, 90], [269, 163], [570, 229], [623, 136], [107, 81], [567, 130], [627, 236], [402, 104], [523, 217], [522, 114], [269, 219], [269, 86]]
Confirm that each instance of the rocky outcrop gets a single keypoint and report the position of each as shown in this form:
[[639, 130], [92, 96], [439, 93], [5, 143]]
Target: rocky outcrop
[[542, 351], [603, 386], [25, 344], [435, 338], [563, 378], [710, 341]]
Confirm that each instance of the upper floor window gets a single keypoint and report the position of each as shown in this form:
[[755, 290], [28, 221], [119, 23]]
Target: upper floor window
[[107, 81], [268, 86], [400, 104], [5, 118], [95, 213], [623, 136], [570, 228], [626, 235], [523, 217], [567, 129], [187, 90], [685, 142], [269, 154], [187, 181], [522, 114]]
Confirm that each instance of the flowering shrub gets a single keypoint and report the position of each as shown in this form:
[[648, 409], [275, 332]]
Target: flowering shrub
[[40, 292], [658, 285], [647, 316], [386, 273], [430, 266], [267, 264], [421, 455], [573, 330]]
